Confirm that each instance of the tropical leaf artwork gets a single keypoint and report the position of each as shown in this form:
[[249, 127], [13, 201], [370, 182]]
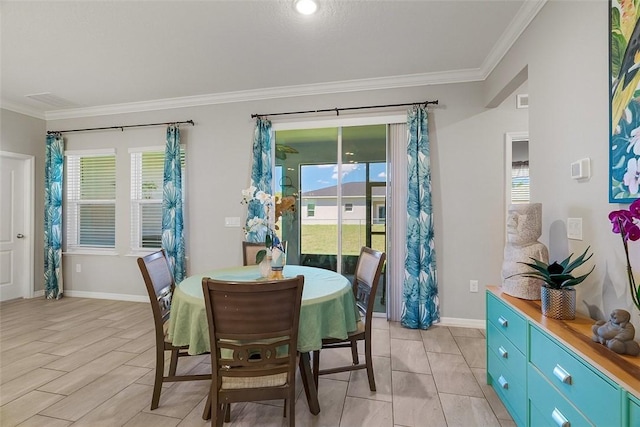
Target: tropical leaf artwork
[[624, 145]]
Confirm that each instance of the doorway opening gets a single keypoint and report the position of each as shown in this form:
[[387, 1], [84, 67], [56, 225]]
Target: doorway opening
[[340, 177]]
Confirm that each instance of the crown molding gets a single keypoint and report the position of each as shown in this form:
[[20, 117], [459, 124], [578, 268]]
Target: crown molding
[[456, 76], [523, 18], [516, 27], [23, 109]]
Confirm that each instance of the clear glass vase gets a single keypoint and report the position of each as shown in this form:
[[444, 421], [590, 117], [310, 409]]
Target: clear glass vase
[[265, 266]]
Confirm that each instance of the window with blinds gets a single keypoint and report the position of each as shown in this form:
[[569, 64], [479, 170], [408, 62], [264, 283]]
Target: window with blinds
[[90, 199], [520, 182], [147, 176]]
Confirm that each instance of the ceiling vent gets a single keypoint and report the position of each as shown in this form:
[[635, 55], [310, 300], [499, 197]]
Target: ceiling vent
[[522, 100], [52, 100]]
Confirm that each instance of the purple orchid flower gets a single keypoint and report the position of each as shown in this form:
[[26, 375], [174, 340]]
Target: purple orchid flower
[[623, 222], [627, 224]]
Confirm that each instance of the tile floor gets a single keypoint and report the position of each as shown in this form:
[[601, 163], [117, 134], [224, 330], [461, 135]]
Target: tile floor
[[86, 362]]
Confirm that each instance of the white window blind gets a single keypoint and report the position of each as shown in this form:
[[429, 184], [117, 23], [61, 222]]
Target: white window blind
[[520, 182], [90, 199], [147, 176]]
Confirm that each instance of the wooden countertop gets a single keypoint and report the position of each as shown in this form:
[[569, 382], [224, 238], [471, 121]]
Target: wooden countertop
[[576, 335]]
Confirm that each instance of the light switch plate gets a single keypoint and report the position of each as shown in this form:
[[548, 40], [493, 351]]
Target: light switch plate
[[232, 221], [574, 228]]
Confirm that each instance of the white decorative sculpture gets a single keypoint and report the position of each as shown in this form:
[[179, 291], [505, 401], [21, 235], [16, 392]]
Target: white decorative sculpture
[[524, 227]]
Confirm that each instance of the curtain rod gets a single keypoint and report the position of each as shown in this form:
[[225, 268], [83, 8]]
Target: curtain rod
[[122, 128], [337, 110]]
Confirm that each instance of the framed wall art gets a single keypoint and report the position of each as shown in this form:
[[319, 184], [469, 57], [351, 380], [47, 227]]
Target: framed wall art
[[624, 111]]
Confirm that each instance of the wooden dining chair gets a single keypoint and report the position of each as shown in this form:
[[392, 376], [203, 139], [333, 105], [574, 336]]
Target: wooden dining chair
[[160, 286], [249, 251], [365, 285], [253, 330]]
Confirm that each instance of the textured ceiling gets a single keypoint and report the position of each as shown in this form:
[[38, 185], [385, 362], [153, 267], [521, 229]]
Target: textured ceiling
[[116, 53]]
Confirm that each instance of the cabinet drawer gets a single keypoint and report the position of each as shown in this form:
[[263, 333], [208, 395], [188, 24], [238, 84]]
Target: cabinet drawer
[[510, 390], [507, 353], [575, 380], [634, 412], [547, 407], [512, 325]]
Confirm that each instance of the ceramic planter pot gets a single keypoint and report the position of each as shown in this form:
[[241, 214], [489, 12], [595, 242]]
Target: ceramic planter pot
[[558, 303]]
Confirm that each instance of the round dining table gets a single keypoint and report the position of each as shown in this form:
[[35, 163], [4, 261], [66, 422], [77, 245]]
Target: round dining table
[[328, 310]]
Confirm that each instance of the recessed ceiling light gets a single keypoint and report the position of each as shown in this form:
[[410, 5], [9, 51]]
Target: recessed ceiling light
[[306, 7]]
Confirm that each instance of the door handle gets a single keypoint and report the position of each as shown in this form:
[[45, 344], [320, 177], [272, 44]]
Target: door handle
[[20, 236]]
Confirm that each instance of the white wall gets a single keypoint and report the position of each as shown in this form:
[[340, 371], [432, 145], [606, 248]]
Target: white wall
[[467, 146], [566, 51], [26, 135]]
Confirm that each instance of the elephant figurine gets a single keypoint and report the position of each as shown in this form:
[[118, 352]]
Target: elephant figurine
[[617, 334]]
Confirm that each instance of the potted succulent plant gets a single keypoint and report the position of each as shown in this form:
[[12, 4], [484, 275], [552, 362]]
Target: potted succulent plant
[[558, 298]]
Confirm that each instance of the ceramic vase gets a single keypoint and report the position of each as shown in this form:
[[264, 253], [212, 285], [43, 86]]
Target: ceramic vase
[[558, 303]]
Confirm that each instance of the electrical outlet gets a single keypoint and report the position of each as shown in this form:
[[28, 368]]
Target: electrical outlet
[[78, 268], [473, 286]]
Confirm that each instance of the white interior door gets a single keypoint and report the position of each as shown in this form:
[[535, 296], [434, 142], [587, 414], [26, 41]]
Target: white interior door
[[15, 241]]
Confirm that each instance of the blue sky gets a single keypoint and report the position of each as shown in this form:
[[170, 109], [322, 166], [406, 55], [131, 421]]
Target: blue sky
[[320, 176]]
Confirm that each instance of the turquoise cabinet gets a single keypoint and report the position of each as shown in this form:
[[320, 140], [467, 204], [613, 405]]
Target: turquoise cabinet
[[548, 407], [512, 325], [575, 379], [634, 412], [506, 363], [549, 373]]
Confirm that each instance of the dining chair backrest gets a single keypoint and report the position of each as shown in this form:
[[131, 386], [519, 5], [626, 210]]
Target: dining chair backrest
[[251, 325], [249, 251], [158, 279], [253, 331], [366, 278]]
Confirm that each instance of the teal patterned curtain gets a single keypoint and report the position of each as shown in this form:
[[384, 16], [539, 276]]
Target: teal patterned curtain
[[53, 177], [260, 173], [172, 220], [420, 289]]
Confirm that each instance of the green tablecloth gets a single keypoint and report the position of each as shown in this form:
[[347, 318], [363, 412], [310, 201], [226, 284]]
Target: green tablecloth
[[328, 307]]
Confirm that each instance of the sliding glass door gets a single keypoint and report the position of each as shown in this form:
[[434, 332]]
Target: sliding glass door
[[340, 177]]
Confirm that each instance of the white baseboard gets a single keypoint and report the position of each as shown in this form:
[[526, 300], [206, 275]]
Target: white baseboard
[[103, 295], [37, 294], [462, 323], [449, 321]]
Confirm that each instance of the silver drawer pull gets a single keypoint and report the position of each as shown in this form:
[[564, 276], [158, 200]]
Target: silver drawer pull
[[503, 383], [562, 375], [560, 419], [503, 353], [503, 322]]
